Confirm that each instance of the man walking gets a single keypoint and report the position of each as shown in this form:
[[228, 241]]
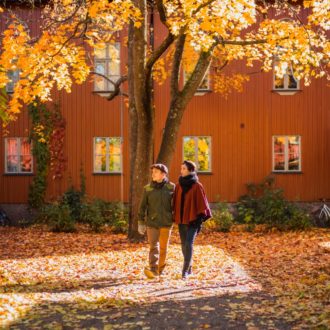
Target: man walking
[[155, 216]]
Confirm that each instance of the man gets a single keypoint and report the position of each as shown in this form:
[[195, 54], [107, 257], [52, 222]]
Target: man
[[155, 216]]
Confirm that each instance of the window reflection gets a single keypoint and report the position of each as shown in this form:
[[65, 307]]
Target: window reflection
[[197, 149]]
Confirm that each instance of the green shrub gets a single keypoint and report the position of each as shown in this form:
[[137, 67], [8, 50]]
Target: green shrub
[[91, 213], [116, 216], [74, 199], [221, 220], [264, 204], [98, 213], [58, 217]]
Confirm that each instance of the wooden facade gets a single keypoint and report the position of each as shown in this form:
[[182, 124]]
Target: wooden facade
[[241, 128]]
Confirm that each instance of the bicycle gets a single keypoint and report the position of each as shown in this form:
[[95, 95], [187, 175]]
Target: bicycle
[[322, 215]]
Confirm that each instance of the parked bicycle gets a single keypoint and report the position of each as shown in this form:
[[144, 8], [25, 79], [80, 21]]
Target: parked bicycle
[[322, 215]]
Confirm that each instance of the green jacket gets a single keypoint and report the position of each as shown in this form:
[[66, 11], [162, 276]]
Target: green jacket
[[156, 205]]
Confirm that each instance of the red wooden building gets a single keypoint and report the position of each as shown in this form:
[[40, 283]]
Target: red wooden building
[[274, 126]]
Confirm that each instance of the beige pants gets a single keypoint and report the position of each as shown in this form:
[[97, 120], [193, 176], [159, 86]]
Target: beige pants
[[158, 239]]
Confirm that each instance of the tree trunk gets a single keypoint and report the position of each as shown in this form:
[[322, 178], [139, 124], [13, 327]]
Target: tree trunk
[[142, 119]]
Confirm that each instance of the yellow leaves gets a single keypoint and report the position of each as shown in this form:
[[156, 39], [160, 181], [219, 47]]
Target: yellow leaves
[[226, 83]]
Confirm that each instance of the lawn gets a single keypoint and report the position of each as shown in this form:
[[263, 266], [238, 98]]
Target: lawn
[[240, 280]]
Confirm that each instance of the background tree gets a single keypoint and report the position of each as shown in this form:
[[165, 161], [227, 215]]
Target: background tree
[[201, 35]]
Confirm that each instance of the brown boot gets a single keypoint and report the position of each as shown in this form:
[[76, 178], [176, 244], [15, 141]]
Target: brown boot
[[150, 272]]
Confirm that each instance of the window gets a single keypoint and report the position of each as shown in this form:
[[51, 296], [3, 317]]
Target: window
[[198, 150], [107, 155], [288, 81], [286, 153], [18, 157], [13, 76], [204, 85], [107, 63]]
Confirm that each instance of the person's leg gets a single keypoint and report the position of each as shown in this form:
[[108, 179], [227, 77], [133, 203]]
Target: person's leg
[[153, 240], [190, 238], [164, 236], [183, 236]]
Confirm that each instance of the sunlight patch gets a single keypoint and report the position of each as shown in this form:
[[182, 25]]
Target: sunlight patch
[[116, 278]]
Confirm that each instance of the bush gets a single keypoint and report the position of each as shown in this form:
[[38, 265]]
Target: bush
[[221, 220], [116, 216], [58, 217], [263, 204], [98, 213], [74, 199], [92, 215]]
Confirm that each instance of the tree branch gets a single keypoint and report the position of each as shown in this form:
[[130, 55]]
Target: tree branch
[[162, 12], [117, 90], [159, 51], [176, 63]]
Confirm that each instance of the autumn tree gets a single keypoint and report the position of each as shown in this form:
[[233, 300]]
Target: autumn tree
[[201, 35]]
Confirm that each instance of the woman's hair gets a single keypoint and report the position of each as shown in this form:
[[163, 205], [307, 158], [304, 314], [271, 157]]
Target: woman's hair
[[191, 166]]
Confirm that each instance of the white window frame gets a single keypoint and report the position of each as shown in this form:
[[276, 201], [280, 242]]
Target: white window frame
[[286, 154], [196, 137], [109, 87], [107, 155], [19, 154], [286, 81]]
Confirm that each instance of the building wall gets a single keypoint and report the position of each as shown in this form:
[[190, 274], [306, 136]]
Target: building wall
[[241, 128]]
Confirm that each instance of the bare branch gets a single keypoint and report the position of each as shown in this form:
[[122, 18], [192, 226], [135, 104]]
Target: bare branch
[[176, 63], [116, 84], [160, 51]]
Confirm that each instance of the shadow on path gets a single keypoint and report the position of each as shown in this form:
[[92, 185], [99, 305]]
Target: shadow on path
[[244, 311]]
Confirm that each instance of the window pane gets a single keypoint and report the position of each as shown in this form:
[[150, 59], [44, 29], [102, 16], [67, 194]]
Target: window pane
[[114, 60], [278, 82], [115, 146], [26, 164], [294, 144], [279, 144], [100, 146], [115, 163], [12, 146], [100, 149], [99, 82], [292, 83], [203, 154], [294, 152], [293, 162], [100, 53], [189, 148], [25, 147], [279, 164], [100, 164], [12, 164]]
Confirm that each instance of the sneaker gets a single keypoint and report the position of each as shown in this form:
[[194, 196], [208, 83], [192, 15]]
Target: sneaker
[[150, 273]]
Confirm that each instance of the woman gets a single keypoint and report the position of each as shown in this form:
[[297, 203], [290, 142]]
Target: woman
[[191, 208]]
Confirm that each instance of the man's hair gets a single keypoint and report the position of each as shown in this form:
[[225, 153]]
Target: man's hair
[[191, 166], [160, 167]]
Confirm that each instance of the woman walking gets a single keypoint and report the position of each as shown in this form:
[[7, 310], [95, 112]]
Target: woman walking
[[191, 209]]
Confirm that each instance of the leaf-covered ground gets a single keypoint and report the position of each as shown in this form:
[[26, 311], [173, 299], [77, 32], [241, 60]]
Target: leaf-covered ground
[[95, 281]]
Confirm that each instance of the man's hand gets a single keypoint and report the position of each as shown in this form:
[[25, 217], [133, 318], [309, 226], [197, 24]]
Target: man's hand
[[141, 228]]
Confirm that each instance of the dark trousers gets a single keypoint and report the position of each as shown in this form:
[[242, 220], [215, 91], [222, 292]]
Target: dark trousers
[[187, 236]]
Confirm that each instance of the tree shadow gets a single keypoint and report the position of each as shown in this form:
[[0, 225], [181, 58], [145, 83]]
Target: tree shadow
[[16, 243], [64, 286], [243, 311]]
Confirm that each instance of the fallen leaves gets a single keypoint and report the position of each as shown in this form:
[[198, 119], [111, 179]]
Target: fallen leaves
[[62, 275]]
